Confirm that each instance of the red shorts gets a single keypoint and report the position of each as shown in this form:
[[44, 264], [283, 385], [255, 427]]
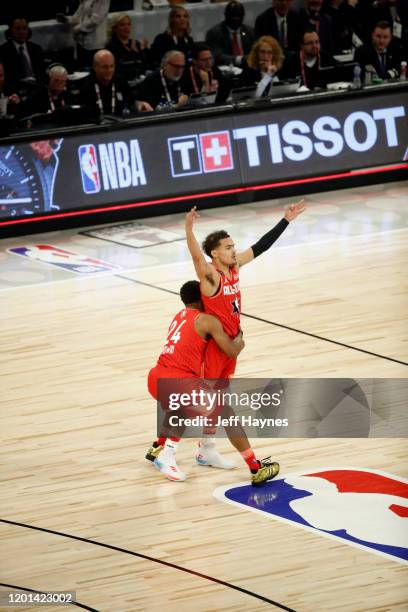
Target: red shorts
[[181, 382], [217, 364]]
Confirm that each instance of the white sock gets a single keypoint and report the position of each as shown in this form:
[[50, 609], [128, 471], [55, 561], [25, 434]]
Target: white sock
[[207, 442], [170, 446]]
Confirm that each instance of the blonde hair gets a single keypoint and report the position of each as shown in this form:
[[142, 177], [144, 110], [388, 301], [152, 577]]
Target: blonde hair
[[114, 21], [175, 9], [277, 53]]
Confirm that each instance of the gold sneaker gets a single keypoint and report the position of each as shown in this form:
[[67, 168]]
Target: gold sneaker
[[153, 452], [268, 470]]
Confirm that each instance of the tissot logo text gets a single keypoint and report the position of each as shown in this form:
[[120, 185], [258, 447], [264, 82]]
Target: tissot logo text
[[114, 165], [292, 141], [327, 136]]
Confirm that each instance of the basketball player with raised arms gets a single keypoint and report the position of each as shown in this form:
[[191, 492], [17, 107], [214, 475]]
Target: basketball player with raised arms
[[220, 292], [219, 280], [182, 359]]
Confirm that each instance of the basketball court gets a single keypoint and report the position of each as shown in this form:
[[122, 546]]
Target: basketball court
[[83, 511]]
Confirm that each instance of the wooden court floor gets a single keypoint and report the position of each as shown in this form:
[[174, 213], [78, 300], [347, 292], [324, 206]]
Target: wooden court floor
[[81, 510]]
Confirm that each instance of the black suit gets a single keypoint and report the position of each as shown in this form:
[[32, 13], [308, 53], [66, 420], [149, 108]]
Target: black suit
[[12, 62], [292, 68], [219, 39], [188, 86], [266, 24], [123, 96], [367, 55], [151, 90], [164, 42], [322, 24]]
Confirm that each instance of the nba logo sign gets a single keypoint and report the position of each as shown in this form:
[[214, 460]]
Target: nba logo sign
[[367, 509], [216, 151], [89, 169]]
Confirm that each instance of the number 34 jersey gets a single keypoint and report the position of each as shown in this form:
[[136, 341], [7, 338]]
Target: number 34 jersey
[[184, 348]]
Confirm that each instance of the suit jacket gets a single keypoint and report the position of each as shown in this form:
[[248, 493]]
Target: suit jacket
[[151, 90], [266, 25], [367, 55], [164, 42], [12, 66], [219, 39], [291, 69], [123, 96], [187, 85], [324, 28]]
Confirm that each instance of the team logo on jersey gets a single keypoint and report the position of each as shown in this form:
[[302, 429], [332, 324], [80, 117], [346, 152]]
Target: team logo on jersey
[[67, 260], [235, 306], [91, 182], [363, 508]]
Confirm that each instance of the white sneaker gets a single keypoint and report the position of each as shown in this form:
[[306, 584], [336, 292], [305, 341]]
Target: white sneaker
[[208, 455], [166, 464]]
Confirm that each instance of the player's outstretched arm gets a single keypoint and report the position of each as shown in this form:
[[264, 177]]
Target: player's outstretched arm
[[211, 325], [204, 270], [264, 243]]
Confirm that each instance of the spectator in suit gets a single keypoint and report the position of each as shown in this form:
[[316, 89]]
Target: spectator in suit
[[176, 37], [21, 58], [132, 57], [202, 76], [51, 97], [313, 17], [13, 100], [345, 20], [381, 53], [231, 40], [263, 64], [280, 22], [105, 93], [163, 88], [307, 63], [90, 25]]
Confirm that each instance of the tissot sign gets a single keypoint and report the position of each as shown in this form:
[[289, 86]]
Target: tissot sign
[[199, 155]]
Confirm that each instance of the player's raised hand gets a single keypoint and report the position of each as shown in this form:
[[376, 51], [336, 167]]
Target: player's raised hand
[[191, 217], [293, 210]]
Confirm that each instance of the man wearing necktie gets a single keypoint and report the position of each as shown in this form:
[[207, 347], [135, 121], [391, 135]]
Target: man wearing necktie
[[280, 22], [314, 16], [382, 53], [231, 40], [25, 63], [22, 59]]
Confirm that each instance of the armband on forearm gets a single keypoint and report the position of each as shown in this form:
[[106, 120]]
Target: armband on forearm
[[269, 238]]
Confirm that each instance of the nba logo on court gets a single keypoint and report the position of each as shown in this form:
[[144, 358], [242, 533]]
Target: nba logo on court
[[367, 509], [63, 259], [91, 182]]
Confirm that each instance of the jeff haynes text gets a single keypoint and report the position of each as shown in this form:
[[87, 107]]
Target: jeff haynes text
[[176, 420]]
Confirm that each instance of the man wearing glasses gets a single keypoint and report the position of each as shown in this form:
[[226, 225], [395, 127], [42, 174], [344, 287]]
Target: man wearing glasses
[[163, 88], [307, 63]]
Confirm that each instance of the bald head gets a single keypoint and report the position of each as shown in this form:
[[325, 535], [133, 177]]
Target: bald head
[[104, 66]]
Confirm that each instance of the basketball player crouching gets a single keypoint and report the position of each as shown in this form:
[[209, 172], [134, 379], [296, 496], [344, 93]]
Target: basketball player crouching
[[182, 360]]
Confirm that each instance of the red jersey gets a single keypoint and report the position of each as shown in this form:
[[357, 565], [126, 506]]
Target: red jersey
[[184, 348], [226, 303]]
